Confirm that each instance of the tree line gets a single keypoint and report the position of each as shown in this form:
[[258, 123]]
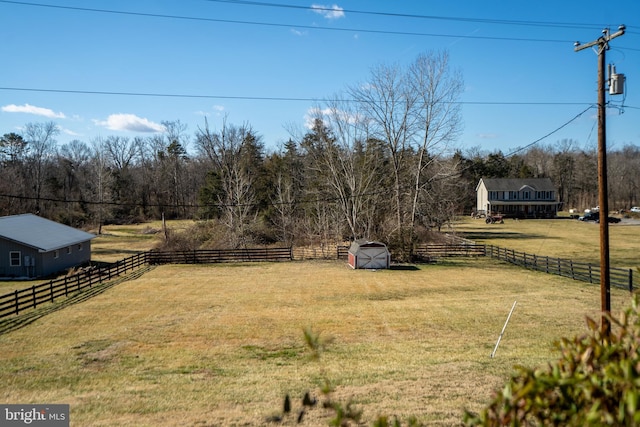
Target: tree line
[[378, 162]]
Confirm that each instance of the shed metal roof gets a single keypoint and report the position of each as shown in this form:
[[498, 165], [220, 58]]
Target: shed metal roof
[[364, 243], [40, 233]]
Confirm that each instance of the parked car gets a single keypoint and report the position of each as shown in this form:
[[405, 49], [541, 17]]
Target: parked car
[[635, 209], [595, 216], [590, 216]]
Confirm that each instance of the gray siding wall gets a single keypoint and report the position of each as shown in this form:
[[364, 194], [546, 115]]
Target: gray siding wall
[[67, 257], [41, 264], [26, 253]]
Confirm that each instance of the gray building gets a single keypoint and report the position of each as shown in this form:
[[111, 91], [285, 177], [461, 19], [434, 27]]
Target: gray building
[[31, 246]]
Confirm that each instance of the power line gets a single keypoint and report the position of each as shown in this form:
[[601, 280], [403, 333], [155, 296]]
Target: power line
[[269, 24], [570, 25], [260, 98], [550, 133], [161, 95]]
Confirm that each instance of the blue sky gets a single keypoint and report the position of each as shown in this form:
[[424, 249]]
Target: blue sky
[[263, 63]]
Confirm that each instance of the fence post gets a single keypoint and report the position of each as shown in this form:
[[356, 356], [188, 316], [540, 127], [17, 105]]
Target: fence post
[[630, 280], [51, 289], [573, 274], [33, 294], [590, 276], [16, 301]]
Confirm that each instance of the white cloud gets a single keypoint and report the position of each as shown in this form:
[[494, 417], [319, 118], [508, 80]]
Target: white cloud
[[314, 113], [69, 132], [298, 32], [217, 109], [329, 12], [487, 135], [31, 109], [328, 115], [130, 122]]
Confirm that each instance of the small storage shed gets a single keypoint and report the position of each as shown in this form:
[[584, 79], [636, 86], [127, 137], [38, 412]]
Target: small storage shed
[[31, 246], [369, 255]]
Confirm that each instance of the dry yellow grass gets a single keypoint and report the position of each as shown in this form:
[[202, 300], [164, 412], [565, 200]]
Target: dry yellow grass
[[562, 238], [221, 345], [119, 241]]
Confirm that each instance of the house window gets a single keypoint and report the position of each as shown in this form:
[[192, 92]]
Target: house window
[[79, 247], [68, 250], [14, 258], [56, 253]]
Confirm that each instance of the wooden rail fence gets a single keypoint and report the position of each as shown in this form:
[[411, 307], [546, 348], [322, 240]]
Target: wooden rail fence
[[18, 301], [619, 277], [210, 256], [429, 251]]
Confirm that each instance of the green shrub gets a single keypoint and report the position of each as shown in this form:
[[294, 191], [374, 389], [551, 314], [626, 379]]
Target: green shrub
[[596, 381]]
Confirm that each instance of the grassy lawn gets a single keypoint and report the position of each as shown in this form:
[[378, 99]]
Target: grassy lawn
[[560, 238], [120, 241], [222, 344]]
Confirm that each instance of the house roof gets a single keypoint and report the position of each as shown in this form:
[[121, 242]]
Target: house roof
[[516, 184], [40, 233]]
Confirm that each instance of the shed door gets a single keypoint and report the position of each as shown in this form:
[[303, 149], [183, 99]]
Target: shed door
[[374, 258]]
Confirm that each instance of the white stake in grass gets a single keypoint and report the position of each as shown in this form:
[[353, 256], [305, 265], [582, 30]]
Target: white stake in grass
[[503, 328]]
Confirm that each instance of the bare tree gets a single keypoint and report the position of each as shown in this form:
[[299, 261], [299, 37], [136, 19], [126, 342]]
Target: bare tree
[[42, 148], [437, 118], [351, 163], [285, 173], [236, 197], [563, 170], [73, 161], [13, 179], [414, 111], [624, 177], [101, 179], [388, 103]]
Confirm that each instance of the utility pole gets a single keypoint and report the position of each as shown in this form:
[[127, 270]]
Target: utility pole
[[602, 45]]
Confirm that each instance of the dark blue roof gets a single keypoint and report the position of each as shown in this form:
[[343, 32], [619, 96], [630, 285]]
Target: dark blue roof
[[40, 233]]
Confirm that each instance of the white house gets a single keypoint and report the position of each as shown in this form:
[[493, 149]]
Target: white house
[[517, 198]]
